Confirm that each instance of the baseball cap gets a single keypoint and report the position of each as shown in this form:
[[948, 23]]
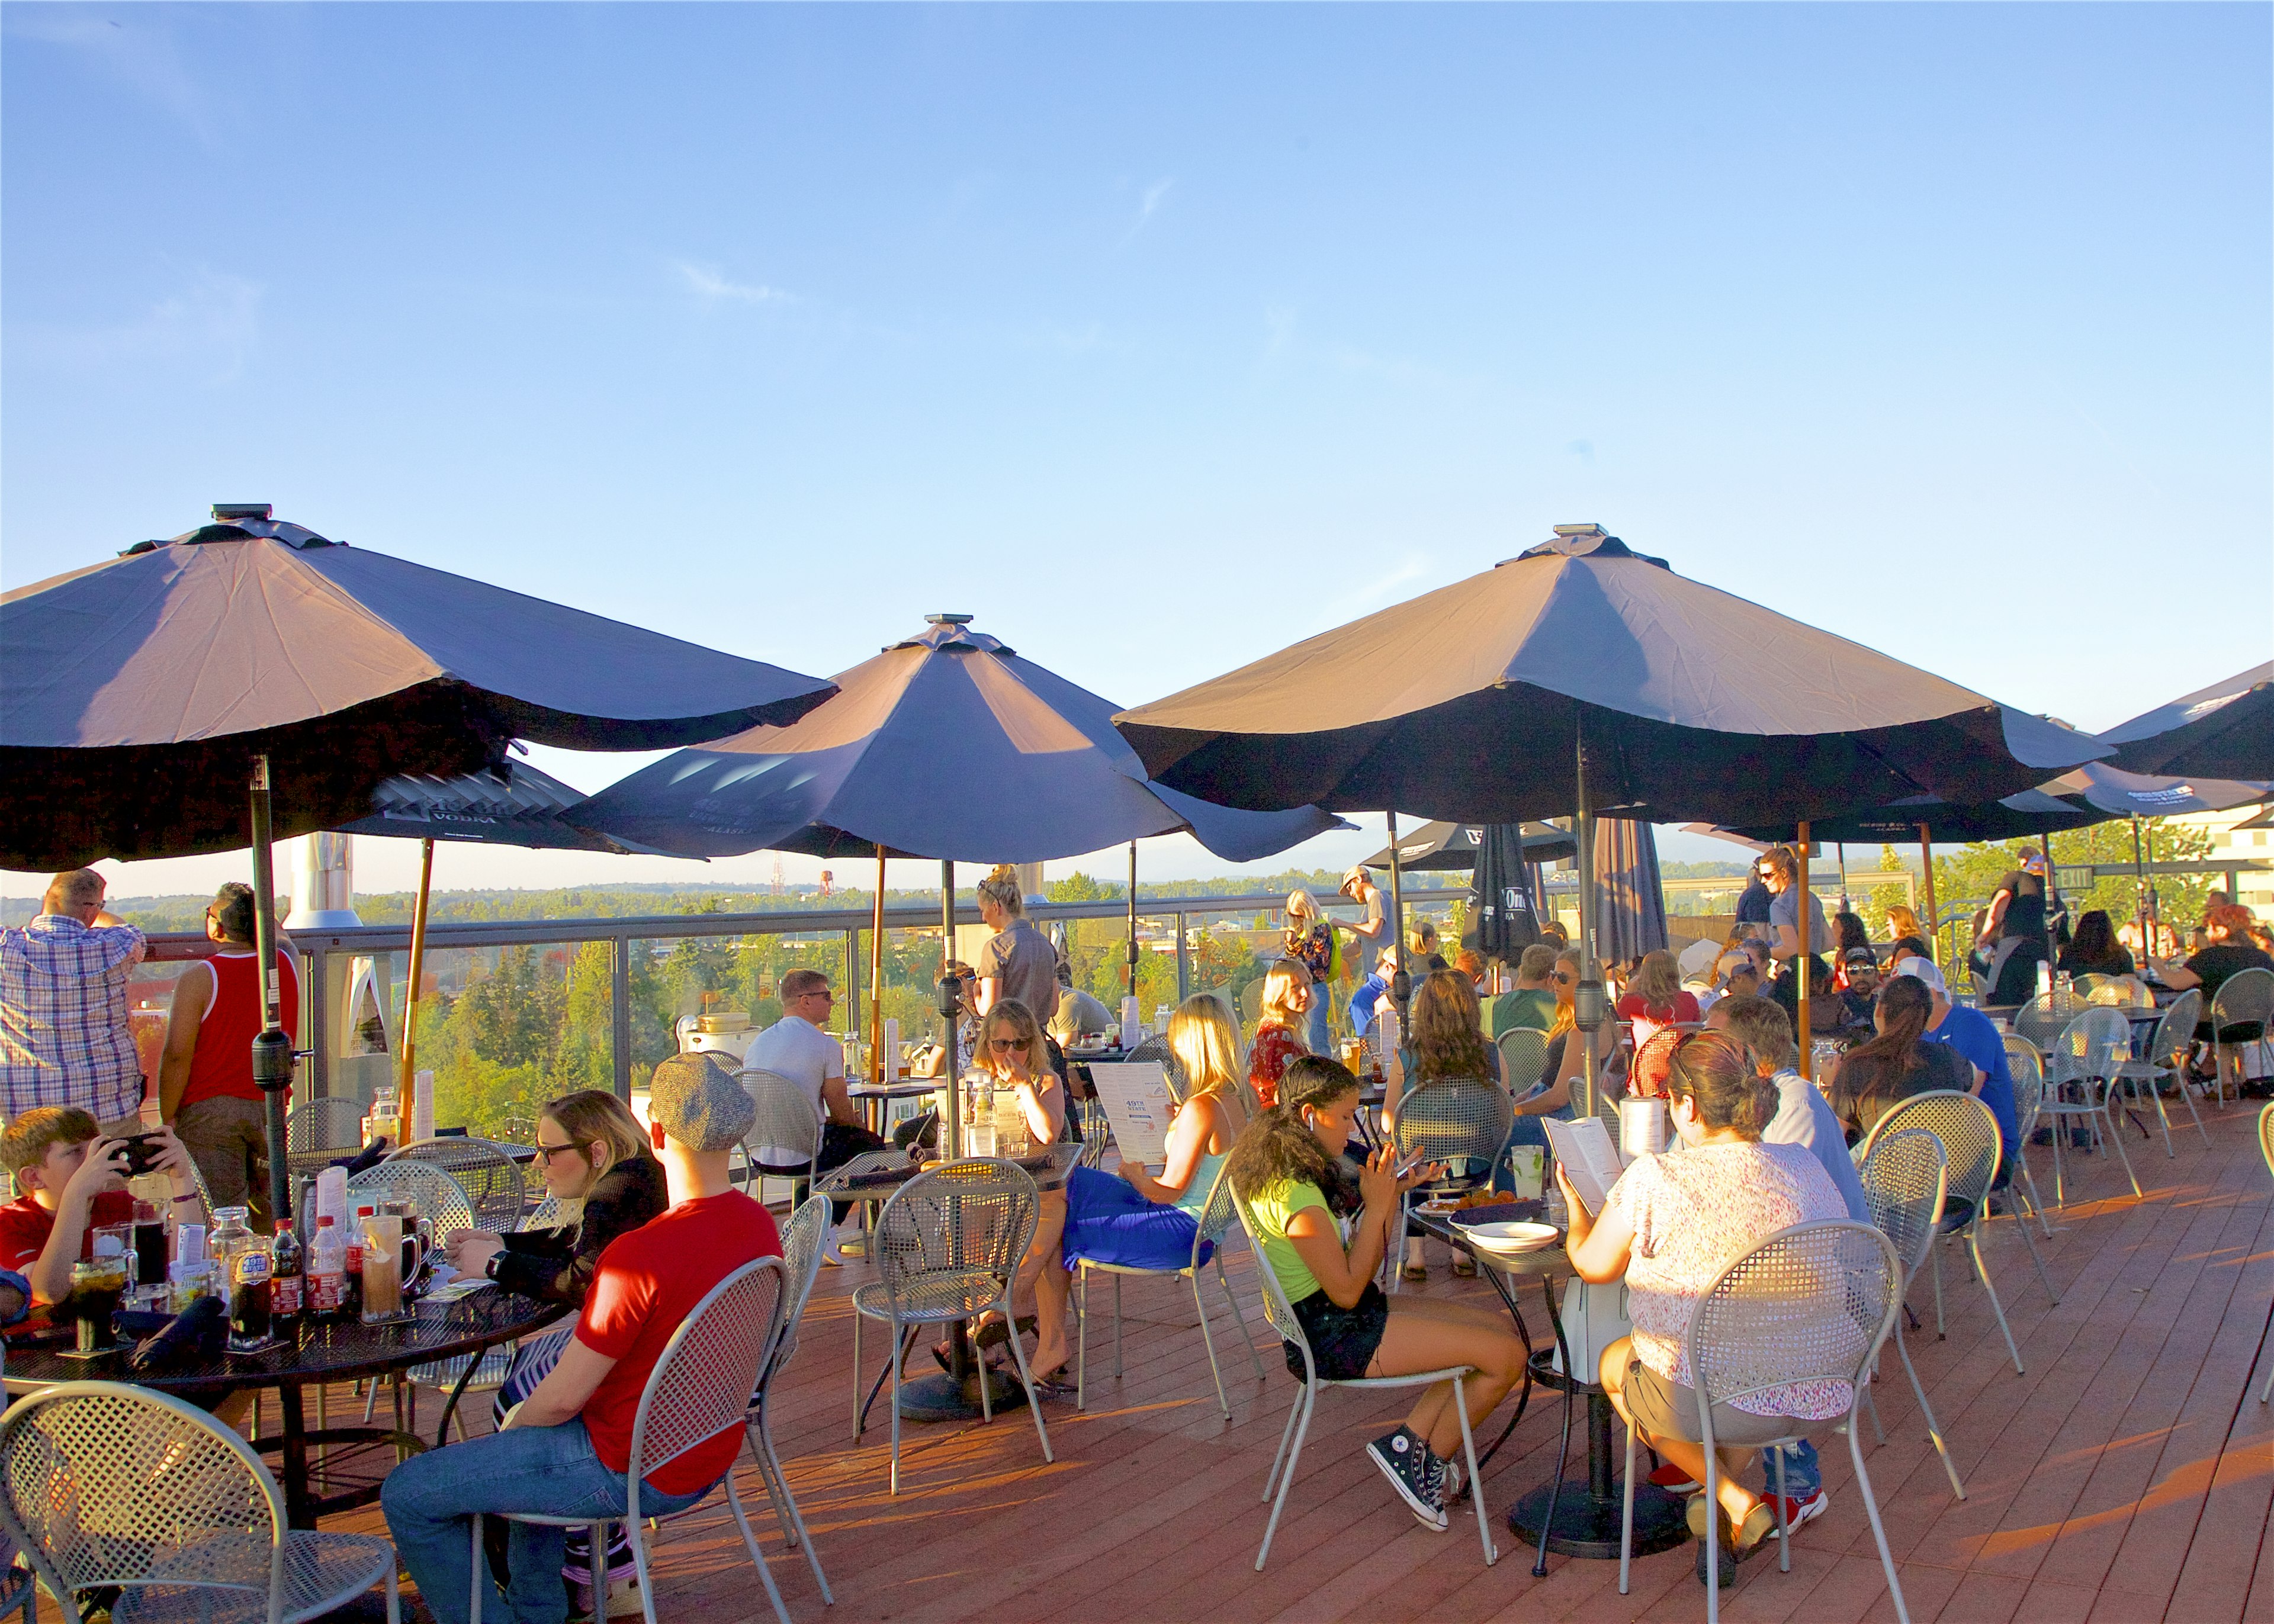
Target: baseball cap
[[699, 1103], [1921, 970], [1862, 955]]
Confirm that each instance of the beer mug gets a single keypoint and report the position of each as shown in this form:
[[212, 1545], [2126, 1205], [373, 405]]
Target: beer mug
[[383, 1248]]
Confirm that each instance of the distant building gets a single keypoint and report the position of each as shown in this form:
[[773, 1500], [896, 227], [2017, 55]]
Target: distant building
[[2254, 892]]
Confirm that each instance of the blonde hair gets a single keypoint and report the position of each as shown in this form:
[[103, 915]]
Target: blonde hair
[[1001, 888], [595, 1117], [1205, 1039], [1658, 979], [1566, 1013], [1024, 1028], [1280, 984]]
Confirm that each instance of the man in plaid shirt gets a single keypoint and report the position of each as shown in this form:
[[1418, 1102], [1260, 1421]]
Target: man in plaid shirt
[[65, 1037]]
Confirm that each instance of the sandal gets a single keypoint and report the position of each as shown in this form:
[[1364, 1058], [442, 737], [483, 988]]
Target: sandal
[[1464, 1268], [993, 1335]]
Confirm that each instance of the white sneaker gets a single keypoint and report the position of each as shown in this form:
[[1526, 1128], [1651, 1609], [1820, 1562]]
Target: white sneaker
[[831, 1254]]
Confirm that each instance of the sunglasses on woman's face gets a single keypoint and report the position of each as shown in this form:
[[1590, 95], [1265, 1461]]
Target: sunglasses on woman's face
[[1005, 1043], [1562, 979]]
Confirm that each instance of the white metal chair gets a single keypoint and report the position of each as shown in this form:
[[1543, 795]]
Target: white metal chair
[[103, 1484], [1814, 1302], [700, 1387], [1281, 1314], [2081, 1086], [496, 1186], [802, 1238], [2242, 1011], [1970, 1148], [947, 1247], [440, 1198], [2266, 1149], [1453, 1120], [785, 1137], [2166, 1056], [1904, 1185], [319, 1132], [2026, 1068], [1215, 1219], [1522, 1056]]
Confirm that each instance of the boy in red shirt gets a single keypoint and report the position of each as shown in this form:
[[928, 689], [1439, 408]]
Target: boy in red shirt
[[565, 1450], [72, 1179]]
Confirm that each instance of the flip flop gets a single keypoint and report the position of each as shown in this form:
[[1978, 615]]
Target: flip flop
[[993, 1335]]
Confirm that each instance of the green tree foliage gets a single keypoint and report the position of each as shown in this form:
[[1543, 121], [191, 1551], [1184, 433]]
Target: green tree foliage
[[1966, 879]]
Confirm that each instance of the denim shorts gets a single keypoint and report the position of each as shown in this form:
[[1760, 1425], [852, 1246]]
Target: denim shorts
[[1342, 1340]]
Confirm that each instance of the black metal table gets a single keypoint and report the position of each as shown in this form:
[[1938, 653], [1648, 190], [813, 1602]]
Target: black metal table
[[324, 1351], [1570, 1519]]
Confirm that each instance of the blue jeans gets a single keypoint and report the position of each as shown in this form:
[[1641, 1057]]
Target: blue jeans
[[1315, 1036], [1801, 1474], [429, 1500]]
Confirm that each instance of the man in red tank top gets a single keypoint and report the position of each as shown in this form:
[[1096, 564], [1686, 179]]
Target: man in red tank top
[[206, 1091]]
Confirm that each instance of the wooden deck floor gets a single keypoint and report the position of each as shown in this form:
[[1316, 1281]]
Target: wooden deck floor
[[2127, 1476]]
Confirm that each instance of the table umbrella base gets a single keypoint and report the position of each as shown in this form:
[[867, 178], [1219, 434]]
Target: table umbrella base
[[943, 1398], [1589, 1527]]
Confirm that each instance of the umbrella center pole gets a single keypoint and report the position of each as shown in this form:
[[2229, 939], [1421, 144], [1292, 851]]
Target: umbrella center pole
[[1587, 997], [272, 1051], [1807, 913], [1400, 983], [1132, 920], [950, 1005]]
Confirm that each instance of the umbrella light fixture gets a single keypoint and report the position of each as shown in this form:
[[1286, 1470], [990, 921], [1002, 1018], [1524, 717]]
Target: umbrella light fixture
[[253, 676]]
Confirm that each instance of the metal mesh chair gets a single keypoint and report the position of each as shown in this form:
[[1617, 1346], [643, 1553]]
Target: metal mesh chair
[[2027, 1069], [801, 1245], [1453, 1120], [947, 1245], [2266, 1149], [2042, 1020], [2166, 1056], [1903, 1181], [1155, 1049], [787, 1121], [1968, 1133], [2080, 1072], [1097, 1129], [1812, 1303], [2117, 992], [107, 1484], [492, 1364], [1214, 1218], [699, 1389], [1522, 1056], [441, 1200], [495, 1185], [1280, 1315], [319, 1132], [2242, 1012]]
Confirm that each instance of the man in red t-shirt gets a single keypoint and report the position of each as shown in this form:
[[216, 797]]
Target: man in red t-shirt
[[565, 1450], [73, 1180]]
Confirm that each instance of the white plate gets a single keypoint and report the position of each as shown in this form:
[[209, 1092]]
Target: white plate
[[1511, 1236]]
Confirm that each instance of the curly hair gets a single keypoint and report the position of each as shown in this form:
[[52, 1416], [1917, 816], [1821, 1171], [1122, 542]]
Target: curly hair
[[1279, 1147], [1448, 1036]]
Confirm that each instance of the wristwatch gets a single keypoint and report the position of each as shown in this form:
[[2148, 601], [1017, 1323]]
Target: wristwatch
[[490, 1267]]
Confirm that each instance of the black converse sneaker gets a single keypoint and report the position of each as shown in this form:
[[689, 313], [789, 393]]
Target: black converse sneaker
[[1417, 1475]]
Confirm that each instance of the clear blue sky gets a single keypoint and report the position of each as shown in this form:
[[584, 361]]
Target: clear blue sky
[[1158, 338]]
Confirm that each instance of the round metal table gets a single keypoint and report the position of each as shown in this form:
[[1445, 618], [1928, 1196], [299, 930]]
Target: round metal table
[[1572, 1518], [324, 1351]]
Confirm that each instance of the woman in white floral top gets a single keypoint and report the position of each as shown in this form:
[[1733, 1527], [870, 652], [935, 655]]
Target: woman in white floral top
[[1671, 1226]]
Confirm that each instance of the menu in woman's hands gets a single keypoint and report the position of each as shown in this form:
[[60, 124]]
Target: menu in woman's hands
[[1583, 1150], [1136, 1096]]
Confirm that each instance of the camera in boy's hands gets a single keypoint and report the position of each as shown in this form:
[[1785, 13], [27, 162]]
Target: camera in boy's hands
[[142, 1152]]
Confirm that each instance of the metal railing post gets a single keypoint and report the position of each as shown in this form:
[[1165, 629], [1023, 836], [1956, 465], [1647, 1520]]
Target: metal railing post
[[313, 969], [619, 1011], [1184, 956]]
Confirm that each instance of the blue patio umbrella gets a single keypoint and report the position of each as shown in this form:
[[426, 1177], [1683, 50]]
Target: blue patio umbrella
[[253, 677], [2225, 730]]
